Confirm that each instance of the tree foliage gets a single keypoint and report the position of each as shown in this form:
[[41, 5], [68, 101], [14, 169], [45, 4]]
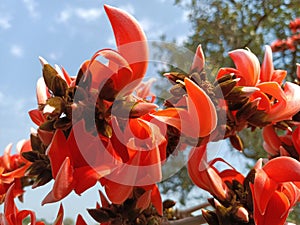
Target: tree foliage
[[220, 26]]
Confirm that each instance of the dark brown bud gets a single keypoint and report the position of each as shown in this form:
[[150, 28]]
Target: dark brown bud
[[100, 215], [236, 142], [210, 217], [224, 78], [53, 81], [168, 204], [174, 76], [246, 111], [223, 89]]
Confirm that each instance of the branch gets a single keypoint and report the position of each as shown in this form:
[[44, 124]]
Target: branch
[[195, 220], [187, 212]]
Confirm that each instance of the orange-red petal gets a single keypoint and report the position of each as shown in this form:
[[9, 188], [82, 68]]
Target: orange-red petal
[[130, 38], [201, 110], [248, 66]]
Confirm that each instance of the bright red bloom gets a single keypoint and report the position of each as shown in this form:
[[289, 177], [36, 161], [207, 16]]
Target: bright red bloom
[[267, 72], [275, 190], [12, 215], [206, 176], [276, 144], [199, 119], [138, 151], [69, 165], [282, 104], [127, 66], [13, 168], [295, 25]]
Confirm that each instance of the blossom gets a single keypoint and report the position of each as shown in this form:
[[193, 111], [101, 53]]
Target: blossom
[[295, 25], [69, 165], [275, 190], [137, 207], [128, 64], [286, 144], [12, 215], [206, 176], [195, 115], [276, 103], [13, 168]]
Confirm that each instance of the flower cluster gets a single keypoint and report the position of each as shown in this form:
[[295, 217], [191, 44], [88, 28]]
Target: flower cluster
[[291, 42], [104, 126]]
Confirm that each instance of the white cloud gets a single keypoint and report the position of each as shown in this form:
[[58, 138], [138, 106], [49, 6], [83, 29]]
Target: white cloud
[[181, 39], [87, 15], [146, 24], [55, 55], [129, 8], [185, 16], [17, 51], [31, 6], [152, 29], [1, 97], [5, 22]]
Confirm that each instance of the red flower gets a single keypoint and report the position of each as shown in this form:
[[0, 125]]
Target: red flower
[[199, 119], [274, 190], [69, 165], [12, 169], [282, 104], [206, 176], [276, 144], [12, 215], [127, 66], [295, 25]]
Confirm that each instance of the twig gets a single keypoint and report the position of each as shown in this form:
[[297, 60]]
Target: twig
[[187, 212], [195, 220]]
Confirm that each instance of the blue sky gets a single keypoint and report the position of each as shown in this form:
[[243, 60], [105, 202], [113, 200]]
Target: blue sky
[[65, 33]]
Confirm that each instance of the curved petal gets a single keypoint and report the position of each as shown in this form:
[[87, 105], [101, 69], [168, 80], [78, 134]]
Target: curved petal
[[63, 183], [85, 178], [203, 175], [276, 212], [80, 220], [296, 139], [288, 100], [283, 169], [156, 199], [10, 209], [117, 193], [226, 70], [37, 116], [42, 92], [292, 92], [57, 152], [271, 138], [278, 76], [130, 39], [278, 108], [248, 66], [118, 69], [201, 109], [267, 67], [144, 201], [262, 190], [171, 116], [199, 60], [60, 216]]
